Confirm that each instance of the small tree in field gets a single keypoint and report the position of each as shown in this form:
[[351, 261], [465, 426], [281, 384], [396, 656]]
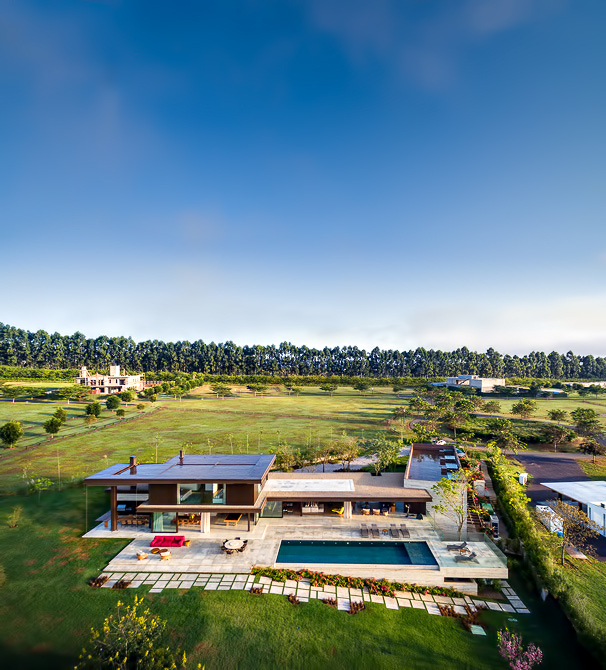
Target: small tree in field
[[361, 386], [524, 408], [14, 392], [120, 413], [557, 434], [586, 421], [557, 414], [492, 407], [592, 447], [89, 419], [127, 396], [75, 392], [113, 402], [60, 414], [39, 484], [452, 494], [140, 406], [11, 433], [329, 388], [52, 426], [93, 409]]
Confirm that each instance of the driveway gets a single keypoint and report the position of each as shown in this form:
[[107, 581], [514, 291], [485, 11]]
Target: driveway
[[549, 468]]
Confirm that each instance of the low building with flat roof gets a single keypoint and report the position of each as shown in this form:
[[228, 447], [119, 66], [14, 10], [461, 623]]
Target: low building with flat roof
[[589, 495]]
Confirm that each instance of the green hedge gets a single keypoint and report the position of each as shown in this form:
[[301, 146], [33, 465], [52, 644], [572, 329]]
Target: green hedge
[[540, 547]]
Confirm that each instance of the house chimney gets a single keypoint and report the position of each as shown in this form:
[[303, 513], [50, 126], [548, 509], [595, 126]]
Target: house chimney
[[133, 465], [181, 457]]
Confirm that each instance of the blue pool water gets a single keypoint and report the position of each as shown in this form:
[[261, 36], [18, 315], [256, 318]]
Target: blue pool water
[[355, 552]]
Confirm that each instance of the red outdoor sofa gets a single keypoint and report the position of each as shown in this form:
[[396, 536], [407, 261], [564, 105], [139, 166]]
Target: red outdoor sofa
[[168, 541]]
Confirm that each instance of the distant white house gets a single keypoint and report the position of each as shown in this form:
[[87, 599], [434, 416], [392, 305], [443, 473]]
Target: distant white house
[[481, 384], [589, 495], [114, 382]]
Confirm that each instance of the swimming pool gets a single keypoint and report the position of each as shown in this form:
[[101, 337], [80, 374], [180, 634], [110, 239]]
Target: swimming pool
[[355, 552]]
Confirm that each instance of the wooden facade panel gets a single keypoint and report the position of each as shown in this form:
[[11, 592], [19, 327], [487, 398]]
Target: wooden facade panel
[[163, 494], [241, 494]]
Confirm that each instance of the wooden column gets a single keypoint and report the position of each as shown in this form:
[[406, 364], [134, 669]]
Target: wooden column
[[205, 522], [347, 511], [248, 517], [113, 496]]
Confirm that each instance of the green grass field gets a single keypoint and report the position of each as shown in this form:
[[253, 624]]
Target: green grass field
[[206, 423], [47, 610]]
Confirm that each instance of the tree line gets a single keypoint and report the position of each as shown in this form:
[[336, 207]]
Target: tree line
[[24, 349]]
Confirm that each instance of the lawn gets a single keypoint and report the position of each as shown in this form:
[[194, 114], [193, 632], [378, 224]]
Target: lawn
[[47, 610], [204, 423], [595, 470]]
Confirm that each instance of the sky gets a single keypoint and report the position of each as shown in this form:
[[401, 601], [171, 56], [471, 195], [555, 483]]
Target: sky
[[392, 173]]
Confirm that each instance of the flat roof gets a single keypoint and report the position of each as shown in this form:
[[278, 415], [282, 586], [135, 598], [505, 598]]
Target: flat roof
[[587, 492], [389, 487], [196, 468]]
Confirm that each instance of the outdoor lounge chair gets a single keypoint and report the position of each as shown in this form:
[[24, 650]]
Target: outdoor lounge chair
[[364, 530], [338, 510], [404, 531], [393, 531], [375, 530], [457, 547], [232, 518], [464, 558]]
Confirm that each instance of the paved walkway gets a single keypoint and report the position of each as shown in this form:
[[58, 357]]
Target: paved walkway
[[305, 592]]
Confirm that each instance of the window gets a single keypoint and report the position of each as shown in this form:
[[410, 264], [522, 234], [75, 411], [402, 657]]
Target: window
[[201, 494]]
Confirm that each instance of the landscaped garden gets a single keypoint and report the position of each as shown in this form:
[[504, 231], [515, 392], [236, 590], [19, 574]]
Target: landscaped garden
[[47, 610]]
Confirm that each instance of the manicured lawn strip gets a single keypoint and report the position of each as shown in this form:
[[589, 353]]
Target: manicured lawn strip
[[237, 630], [595, 470]]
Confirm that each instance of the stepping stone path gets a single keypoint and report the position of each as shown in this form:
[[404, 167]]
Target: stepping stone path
[[158, 582]]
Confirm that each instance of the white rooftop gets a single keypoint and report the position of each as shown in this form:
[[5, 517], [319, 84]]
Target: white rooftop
[[309, 485], [587, 492]]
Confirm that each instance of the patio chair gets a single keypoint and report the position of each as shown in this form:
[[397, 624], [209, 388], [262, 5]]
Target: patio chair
[[404, 531], [393, 531], [338, 511], [375, 531], [457, 547], [376, 512], [466, 558], [364, 530]]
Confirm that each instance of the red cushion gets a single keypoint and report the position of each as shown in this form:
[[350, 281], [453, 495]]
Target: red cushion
[[168, 541]]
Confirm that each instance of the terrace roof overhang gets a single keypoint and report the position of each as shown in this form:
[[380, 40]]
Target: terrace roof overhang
[[395, 495]]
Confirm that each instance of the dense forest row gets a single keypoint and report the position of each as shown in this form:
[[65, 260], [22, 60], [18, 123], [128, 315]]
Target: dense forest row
[[24, 349]]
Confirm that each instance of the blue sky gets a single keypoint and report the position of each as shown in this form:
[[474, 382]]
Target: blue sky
[[397, 173]]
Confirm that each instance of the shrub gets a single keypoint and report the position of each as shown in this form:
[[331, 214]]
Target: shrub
[[15, 516]]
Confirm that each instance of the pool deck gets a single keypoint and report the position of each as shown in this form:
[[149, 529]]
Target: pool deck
[[204, 554]]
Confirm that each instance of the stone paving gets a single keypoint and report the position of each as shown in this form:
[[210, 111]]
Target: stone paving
[[304, 591]]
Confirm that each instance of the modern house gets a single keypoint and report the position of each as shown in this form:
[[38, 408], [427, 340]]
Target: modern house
[[590, 496], [334, 522], [114, 382], [169, 495], [480, 384]]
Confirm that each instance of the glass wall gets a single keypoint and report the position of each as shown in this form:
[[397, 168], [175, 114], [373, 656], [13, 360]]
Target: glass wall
[[164, 522], [201, 494]]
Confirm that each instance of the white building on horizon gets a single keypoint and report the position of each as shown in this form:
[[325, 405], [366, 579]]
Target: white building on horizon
[[114, 382]]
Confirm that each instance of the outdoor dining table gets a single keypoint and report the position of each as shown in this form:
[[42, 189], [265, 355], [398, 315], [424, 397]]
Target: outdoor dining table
[[234, 544]]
